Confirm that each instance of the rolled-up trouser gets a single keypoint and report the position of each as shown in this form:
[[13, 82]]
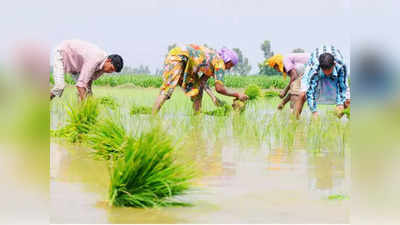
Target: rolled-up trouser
[[58, 74], [296, 85]]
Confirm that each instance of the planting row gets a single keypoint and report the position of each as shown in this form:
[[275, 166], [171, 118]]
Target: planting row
[[264, 82]]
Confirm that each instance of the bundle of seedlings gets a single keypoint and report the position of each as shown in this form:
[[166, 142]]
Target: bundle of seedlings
[[223, 110], [148, 173], [140, 110], [81, 119], [253, 91], [108, 139], [238, 106], [347, 112]]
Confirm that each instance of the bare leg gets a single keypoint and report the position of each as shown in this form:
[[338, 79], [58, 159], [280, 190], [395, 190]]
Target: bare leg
[[159, 102], [293, 100], [197, 105], [284, 101], [301, 99], [197, 100]]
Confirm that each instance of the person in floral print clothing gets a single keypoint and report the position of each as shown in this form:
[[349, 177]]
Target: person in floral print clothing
[[190, 66]]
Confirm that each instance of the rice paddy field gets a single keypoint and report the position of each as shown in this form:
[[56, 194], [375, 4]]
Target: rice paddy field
[[112, 162]]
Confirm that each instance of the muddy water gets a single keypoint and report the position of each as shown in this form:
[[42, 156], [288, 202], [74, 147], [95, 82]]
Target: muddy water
[[251, 186]]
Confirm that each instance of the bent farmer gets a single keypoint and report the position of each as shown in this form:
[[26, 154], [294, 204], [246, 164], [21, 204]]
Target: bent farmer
[[85, 62], [294, 65], [324, 81], [190, 66]]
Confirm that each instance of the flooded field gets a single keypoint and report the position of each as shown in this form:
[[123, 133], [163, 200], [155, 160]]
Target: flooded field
[[257, 167]]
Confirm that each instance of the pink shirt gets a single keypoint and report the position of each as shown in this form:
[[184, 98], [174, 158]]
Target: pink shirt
[[290, 60], [82, 58]]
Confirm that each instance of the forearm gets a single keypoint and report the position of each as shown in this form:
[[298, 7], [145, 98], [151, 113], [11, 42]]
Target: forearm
[[341, 88], [285, 91], [89, 92], [286, 99], [311, 100], [225, 91], [159, 102], [340, 96]]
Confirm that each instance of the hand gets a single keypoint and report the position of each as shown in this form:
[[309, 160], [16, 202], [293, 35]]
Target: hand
[[339, 111], [315, 115], [280, 106], [347, 103], [282, 94], [242, 97]]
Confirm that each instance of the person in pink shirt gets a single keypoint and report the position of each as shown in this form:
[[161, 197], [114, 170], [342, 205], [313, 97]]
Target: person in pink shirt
[[294, 65], [85, 62]]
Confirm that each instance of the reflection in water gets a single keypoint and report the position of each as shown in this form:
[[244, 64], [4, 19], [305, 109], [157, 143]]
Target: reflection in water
[[327, 174], [250, 174], [238, 186]]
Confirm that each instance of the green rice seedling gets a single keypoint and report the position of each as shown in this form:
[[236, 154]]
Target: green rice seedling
[[262, 81], [347, 112], [109, 102], [338, 197], [271, 94], [220, 111], [148, 174], [148, 81], [253, 91], [81, 119], [140, 110], [327, 132], [108, 139]]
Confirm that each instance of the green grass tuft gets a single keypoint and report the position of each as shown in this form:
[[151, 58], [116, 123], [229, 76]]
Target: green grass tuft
[[347, 112], [148, 175], [108, 140]]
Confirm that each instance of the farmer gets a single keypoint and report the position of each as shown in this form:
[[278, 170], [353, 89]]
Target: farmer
[[325, 81], [85, 61], [292, 64], [190, 66]]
